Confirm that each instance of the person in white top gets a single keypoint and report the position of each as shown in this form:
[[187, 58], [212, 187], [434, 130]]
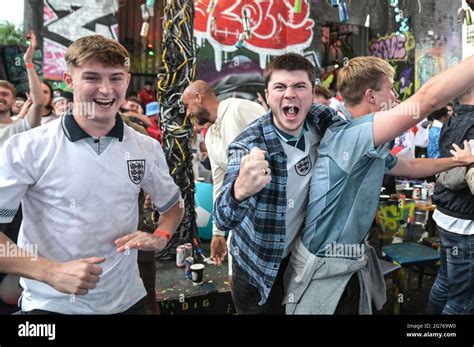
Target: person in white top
[[78, 178], [228, 118], [30, 117], [8, 127]]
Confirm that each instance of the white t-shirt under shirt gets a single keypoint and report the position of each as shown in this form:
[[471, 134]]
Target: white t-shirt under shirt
[[300, 166], [77, 202]]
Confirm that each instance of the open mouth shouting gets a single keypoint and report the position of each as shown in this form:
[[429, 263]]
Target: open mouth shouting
[[291, 112], [105, 103]]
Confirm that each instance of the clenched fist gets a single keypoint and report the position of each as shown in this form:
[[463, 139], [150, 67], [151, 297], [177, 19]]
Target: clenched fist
[[254, 174]]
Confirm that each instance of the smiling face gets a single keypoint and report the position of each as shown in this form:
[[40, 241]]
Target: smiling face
[[98, 89], [290, 96], [6, 99]]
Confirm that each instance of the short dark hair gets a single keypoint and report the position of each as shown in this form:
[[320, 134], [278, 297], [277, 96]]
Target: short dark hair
[[438, 114], [289, 62]]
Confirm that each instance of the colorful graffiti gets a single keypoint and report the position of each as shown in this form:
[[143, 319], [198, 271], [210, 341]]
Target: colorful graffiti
[[399, 51], [393, 47], [389, 216], [404, 82], [335, 45], [434, 54], [66, 20], [274, 26], [336, 50]]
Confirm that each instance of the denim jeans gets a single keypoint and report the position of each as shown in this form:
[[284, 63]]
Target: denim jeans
[[453, 290]]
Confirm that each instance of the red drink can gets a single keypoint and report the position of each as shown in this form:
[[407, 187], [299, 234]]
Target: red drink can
[[180, 256]]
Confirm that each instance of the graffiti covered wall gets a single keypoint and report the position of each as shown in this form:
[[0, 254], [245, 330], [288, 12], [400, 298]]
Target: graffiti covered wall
[[67, 20], [399, 51], [434, 53], [234, 68], [438, 38]]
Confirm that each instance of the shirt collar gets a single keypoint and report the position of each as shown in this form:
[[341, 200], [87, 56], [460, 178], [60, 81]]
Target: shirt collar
[[287, 137], [75, 133]]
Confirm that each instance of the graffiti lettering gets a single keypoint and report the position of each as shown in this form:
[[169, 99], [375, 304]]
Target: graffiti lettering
[[273, 26], [389, 48]]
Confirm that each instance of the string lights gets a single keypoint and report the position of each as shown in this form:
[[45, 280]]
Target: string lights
[[400, 18]]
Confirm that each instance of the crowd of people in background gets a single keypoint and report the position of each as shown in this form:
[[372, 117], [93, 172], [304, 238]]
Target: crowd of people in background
[[253, 152]]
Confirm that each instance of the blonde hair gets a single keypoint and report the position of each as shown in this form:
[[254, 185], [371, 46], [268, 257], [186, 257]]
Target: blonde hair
[[97, 48], [360, 74]]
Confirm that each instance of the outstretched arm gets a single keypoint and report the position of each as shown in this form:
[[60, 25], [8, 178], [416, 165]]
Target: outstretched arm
[[36, 92], [432, 96], [423, 167]]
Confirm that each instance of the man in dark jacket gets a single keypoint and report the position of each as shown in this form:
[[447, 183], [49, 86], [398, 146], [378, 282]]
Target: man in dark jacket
[[453, 289]]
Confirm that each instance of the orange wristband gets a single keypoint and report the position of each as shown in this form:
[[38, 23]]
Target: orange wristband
[[29, 66], [163, 233]]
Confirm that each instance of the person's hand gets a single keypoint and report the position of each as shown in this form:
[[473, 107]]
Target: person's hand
[[142, 241], [203, 156], [28, 56], [464, 155], [77, 276], [24, 109], [254, 174], [218, 249]]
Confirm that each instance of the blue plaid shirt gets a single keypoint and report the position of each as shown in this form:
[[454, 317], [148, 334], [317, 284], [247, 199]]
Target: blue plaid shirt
[[258, 222]]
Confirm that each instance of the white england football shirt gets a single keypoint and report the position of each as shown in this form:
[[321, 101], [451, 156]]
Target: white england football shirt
[[78, 196]]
